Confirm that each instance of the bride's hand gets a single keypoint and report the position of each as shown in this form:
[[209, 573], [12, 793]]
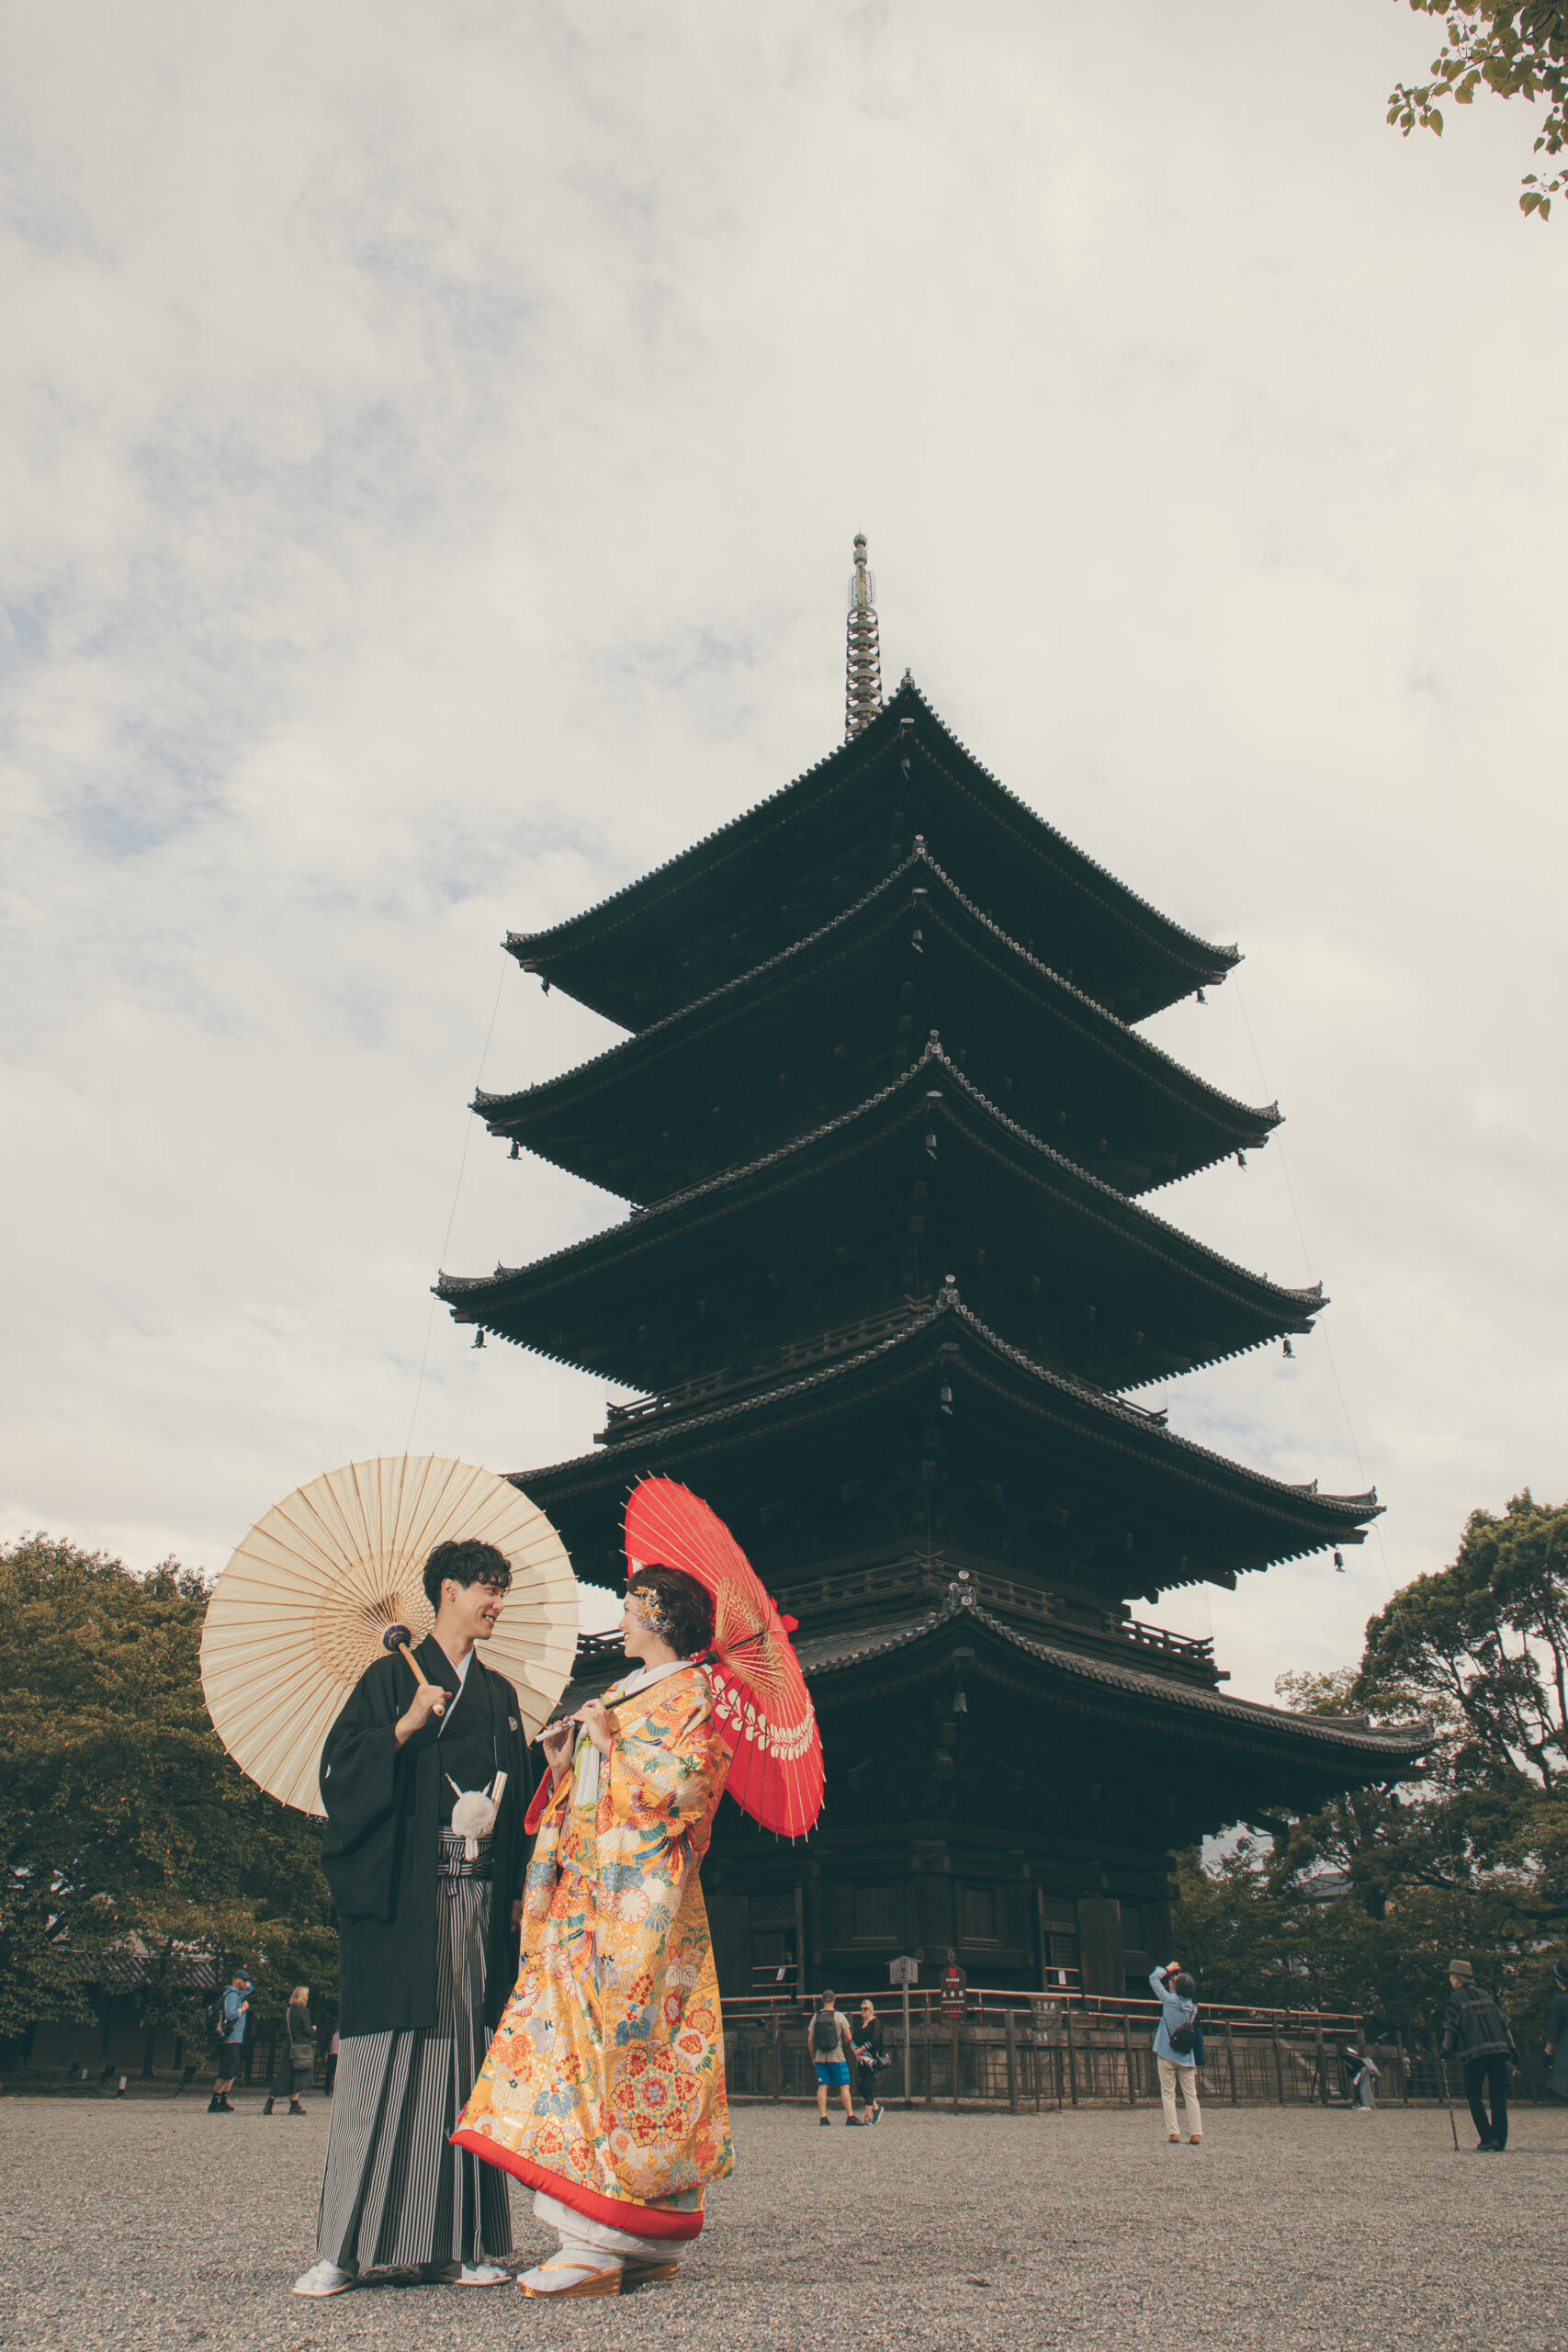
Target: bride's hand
[[595, 1721], [557, 1741]]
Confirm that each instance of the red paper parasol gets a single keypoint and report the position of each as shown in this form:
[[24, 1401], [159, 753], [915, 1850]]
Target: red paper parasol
[[764, 1709]]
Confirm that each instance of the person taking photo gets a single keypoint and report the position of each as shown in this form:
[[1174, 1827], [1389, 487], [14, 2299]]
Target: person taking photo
[[1175, 2047]]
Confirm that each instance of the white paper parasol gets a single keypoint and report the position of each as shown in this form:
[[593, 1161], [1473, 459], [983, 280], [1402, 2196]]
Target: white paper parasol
[[299, 1612]]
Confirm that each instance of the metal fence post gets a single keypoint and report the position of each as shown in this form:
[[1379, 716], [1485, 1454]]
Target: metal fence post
[[957, 2029], [1127, 2049], [1278, 2064], [1072, 2063], [1322, 2067], [1012, 2023], [1230, 2058]]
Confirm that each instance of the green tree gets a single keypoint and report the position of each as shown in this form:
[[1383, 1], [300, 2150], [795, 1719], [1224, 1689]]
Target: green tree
[[1518, 52], [1470, 1855], [127, 1829]]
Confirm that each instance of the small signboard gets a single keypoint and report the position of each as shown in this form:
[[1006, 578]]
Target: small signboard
[[903, 1971]]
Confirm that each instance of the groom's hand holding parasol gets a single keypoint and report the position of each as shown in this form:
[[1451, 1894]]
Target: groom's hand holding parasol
[[429, 1698]]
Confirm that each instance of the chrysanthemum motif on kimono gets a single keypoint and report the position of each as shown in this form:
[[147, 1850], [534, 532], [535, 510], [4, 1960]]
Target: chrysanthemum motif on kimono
[[605, 2084]]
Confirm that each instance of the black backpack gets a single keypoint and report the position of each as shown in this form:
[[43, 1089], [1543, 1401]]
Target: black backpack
[[220, 2024], [826, 2034], [1184, 2041]]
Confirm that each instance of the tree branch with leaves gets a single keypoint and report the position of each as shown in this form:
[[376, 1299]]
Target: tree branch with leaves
[[1517, 52], [127, 1835], [1359, 1904]]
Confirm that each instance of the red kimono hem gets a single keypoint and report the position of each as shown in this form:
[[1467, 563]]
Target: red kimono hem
[[617, 2212]]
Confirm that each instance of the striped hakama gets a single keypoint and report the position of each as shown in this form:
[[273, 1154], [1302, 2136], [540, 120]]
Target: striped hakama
[[396, 2193]]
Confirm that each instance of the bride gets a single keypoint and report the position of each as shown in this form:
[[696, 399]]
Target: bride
[[603, 2089]]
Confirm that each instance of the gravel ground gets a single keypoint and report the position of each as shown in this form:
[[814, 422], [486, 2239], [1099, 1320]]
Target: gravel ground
[[149, 2223]]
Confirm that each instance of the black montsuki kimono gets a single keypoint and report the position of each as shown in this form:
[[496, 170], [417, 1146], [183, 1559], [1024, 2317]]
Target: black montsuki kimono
[[385, 1806]]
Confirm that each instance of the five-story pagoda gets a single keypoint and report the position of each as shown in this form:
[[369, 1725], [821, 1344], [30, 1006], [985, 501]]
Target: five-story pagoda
[[887, 1126]]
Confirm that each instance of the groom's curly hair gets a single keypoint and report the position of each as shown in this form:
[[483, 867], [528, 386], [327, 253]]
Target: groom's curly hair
[[470, 1562]]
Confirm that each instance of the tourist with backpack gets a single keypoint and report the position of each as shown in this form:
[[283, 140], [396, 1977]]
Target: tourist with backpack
[[1476, 2030], [1176, 2048], [827, 2040], [227, 2016]]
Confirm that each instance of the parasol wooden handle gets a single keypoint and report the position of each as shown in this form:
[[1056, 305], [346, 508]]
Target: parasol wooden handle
[[398, 1637]]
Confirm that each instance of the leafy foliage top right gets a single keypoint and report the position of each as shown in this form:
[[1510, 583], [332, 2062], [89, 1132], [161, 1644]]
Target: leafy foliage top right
[[1517, 52]]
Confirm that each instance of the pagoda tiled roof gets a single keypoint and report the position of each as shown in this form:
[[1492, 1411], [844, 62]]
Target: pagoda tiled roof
[[1278, 1307], [1235, 1121], [1189, 960], [822, 1656], [1114, 1424]]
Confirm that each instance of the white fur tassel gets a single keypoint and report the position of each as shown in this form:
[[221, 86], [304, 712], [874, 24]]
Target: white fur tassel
[[473, 1816]]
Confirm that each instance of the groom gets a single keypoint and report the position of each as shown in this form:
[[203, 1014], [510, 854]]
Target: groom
[[428, 1933]]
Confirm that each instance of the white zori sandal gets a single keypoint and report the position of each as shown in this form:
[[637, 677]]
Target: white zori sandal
[[577, 2278], [465, 2274], [574, 2279], [325, 2278]]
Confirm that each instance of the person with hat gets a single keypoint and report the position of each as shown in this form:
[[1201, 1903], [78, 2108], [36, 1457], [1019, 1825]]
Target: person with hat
[[230, 2014], [1176, 2048], [1557, 2031], [1477, 2031]]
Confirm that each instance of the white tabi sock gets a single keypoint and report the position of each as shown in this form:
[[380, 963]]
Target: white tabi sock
[[594, 2244]]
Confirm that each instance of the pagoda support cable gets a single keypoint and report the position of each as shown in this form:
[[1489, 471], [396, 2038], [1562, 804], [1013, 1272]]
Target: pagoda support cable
[[862, 692], [452, 1219]]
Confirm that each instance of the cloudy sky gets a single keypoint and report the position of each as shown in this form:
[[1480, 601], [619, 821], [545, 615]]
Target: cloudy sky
[[433, 440]]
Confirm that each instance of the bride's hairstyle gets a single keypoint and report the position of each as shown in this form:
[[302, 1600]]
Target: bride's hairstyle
[[682, 1605]]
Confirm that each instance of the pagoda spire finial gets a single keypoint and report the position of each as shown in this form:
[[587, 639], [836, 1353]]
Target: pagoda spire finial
[[863, 695]]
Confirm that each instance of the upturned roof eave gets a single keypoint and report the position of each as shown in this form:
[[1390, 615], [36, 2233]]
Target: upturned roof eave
[[1289, 1309], [1206, 962], [1247, 1122], [826, 1655], [1321, 1520]]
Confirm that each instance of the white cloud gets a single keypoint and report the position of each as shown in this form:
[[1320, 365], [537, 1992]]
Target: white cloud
[[432, 462]]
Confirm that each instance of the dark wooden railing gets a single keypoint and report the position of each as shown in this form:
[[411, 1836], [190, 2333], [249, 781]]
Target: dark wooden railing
[[1067, 2049], [604, 1649], [797, 1354]]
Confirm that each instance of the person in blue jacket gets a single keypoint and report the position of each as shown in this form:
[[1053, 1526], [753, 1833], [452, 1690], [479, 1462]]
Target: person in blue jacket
[[1176, 2048], [230, 2037]]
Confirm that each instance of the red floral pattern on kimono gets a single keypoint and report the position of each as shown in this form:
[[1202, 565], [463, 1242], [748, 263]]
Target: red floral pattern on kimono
[[605, 2084]]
